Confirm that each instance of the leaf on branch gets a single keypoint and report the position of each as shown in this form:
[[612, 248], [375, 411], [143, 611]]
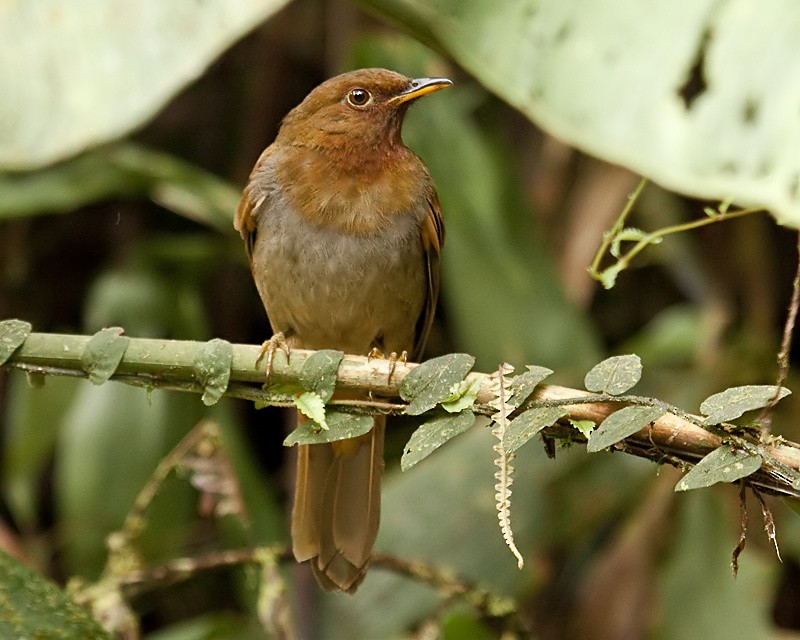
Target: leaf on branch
[[432, 381], [584, 426], [12, 335], [318, 373], [341, 426], [212, 368], [734, 402], [463, 395], [623, 423], [614, 375], [522, 386], [528, 424], [433, 434], [103, 353], [499, 385], [724, 464], [312, 407]]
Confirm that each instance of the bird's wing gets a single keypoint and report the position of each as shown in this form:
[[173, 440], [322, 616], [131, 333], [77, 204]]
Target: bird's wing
[[246, 217], [432, 243]]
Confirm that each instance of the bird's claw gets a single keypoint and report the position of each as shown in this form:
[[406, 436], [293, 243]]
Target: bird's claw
[[268, 349], [393, 358]]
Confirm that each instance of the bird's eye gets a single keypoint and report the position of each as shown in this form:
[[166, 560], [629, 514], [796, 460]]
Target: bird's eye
[[358, 97]]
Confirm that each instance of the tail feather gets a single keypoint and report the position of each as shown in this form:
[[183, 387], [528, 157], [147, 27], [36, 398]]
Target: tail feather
[[337, 507]]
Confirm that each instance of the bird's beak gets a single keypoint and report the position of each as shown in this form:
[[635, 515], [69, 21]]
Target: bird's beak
[[419, 87]]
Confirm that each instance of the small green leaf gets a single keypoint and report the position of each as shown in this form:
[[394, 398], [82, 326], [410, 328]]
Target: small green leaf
[[614, 375], [584, 426], [430, 383], [341, 426], [528, 424], [319, 372], [312, 407], [12, 335], [463, 395], [212, 369], [103, 353], [724, 464], [32, 607], [522, 386], [433, 434], [623, 423], [732, 403]]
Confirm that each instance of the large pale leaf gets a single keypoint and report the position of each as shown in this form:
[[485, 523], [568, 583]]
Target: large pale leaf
[[76, 73], [699, 96]]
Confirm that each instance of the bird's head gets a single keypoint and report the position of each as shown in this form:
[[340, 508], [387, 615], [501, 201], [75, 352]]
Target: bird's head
[[358, 111]]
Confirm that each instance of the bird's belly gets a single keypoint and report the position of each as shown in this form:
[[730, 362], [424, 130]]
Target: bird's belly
[[328, 289]]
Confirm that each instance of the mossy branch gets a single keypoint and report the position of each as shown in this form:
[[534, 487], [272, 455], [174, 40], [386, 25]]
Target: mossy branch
[[676, 438]]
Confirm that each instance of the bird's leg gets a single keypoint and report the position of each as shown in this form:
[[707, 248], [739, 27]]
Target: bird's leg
[[268, 348], [393, 358]]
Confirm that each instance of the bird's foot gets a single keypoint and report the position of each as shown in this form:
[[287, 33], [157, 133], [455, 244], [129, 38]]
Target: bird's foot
[[393, 358], [268, 349]]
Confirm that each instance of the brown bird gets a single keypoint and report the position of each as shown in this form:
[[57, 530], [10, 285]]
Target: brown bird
[[343, 229]]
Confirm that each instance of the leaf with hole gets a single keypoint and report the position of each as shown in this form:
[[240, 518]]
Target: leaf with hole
[[724, 464], [432, 381], [433, 434], [614, 375], [734, 402], [623, 423]]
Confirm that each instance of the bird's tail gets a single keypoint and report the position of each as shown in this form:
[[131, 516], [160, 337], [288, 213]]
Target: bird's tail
[[337, 504]]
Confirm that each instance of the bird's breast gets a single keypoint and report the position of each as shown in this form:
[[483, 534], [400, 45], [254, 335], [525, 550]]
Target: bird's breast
[[362, 198]]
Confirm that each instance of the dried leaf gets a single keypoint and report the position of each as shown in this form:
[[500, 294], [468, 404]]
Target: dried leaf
[[431, 382], [724, 464], [318, 373], [737, 551], [103, 353], [522, 386], [623, 423], [769, 524], [312, 407], [212, 369], [528, 424], [732, 403], [12, 335], [463, 396], [341, 426], [433, 434], [614, 375]]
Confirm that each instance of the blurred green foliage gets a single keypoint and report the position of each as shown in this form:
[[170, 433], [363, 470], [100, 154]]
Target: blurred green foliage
[[607, 548]]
